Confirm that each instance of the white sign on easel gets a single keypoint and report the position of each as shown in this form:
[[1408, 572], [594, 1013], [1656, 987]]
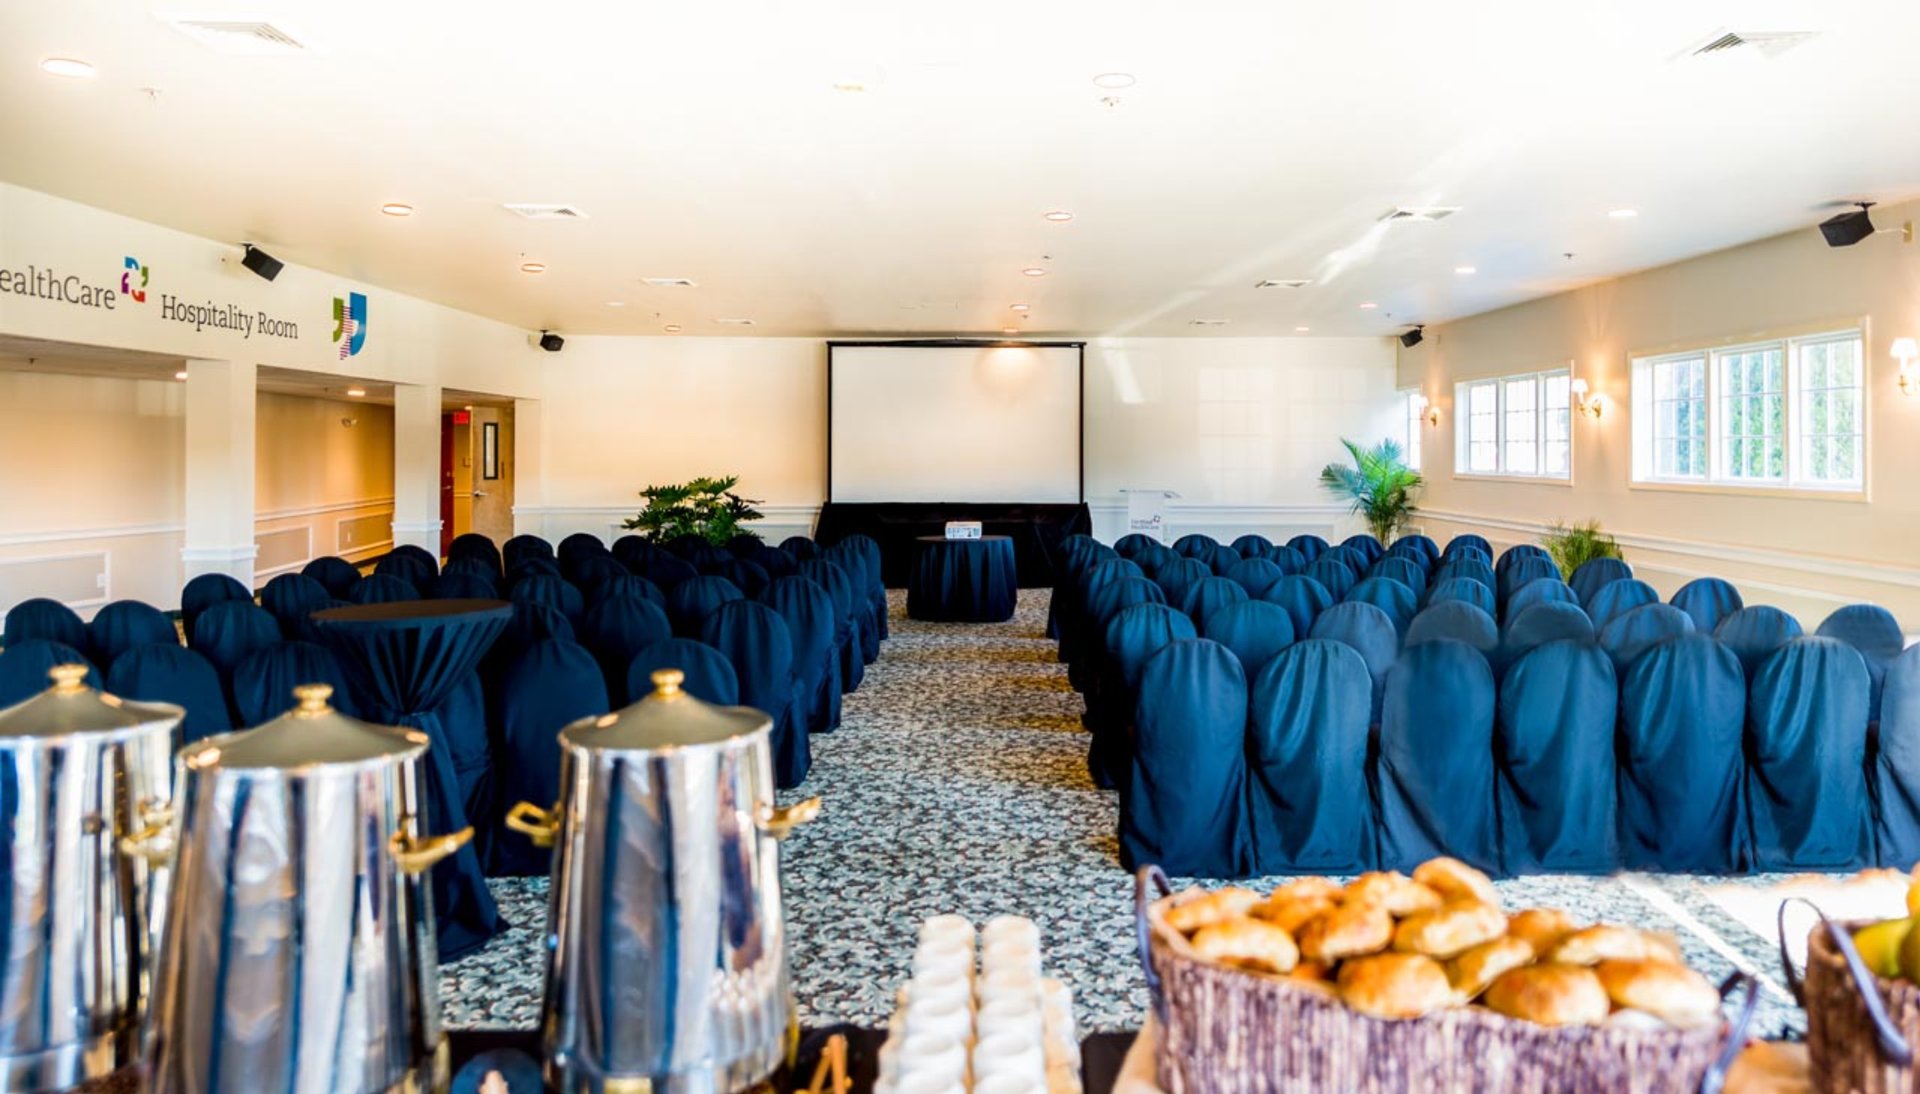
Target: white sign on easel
[[1147, 512]]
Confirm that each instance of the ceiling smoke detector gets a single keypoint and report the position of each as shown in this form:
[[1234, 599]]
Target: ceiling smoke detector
[[240, 37], [1768, 43], [545, 212], [1420, 213], [1283, 283]]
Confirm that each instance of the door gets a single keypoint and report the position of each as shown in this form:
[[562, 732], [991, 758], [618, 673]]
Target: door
[[492, 447], [446, 483]]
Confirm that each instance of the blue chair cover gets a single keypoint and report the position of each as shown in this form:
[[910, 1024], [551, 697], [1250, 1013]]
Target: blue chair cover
[[1708, 600], [1132, 637], [1513, 555], [808, 610], [589, 572], [290, 598], [25, 667], [1195, 545], [228, 631], [754, 638], [413, 566], [1371, 550], [523, 547], [531, 566], [1133, 543], [1469, 540], [690, 602], [1370, 632], [1876, 635], [124, 624], [749, 577], [1221, 559], [474, 567], [1896, 766], [1096, 576], [1543, 590], [1464, 552], [630, 587], [1616, 598], [551, 684], [205, 591], [263, 682], [1455, 621], [1254, 630], [869, 550], [1467, 569], [1682, 807], [1333, 574], [1594, 574], [1434, 776], [778, 563], [743, 543], [1403, 570], [1630, 634], [1543, 622], [1307, 757], [1111, 599], [337, 574], [615, 630], [44, 619], [1807, 755], [1553, 762], [1288, 559], [167, 672], [688, 545], [1185, 804], [1209, 596], [1310, 546], [555, 592], [1252, 545], [1176, 578], [849, 641], [705, 555], [528, 623], [1255, 575], [1417, 549], [1390, 596], [668, 571], [474, 547], [380, 589], [800, 547], [634, 551], [1153, 559], [579, 545], [709, 675], [1476, 593], [1519, 571], [454, 585], [1302, 597], [1754, 633], [1356, 562]]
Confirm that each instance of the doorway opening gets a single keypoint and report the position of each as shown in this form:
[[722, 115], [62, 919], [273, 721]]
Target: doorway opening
[[476, 469]]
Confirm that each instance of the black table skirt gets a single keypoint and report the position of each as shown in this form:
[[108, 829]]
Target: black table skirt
[[1036, 529], [963, 580], [1100, 1054]]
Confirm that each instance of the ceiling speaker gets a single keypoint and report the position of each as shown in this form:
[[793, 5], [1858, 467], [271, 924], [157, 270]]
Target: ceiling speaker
[[1848, 229], [261, 262], [551, 342], [1412, 338]]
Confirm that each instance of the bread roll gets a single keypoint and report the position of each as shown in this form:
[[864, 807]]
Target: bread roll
[[1450, 929], [1306, 888], [1393, 891], [1347, 930], [1472, 971], [1396, 985], [1189, 916], [1543, 928], [1248, 944], [1293, 914], [1674, 993], [1455, 880], [1605, 942], [1551, 994]]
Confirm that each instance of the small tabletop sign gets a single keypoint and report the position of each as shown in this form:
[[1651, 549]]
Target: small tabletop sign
[[963, 529], [1147, 512]]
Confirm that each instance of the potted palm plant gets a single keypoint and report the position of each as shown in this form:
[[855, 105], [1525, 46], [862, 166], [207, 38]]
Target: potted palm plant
[[1378, 482], [1574, 545]]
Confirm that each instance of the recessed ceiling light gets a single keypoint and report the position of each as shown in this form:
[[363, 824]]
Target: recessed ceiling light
[[1368, 306], [356, 392], [1113, 81], [1206, 322], [68, 67], [672, 328], [734, 322], [1623, 214], [533, 267], [616, 303], [181, 375], [1282, 283], [1009, 330], [397, 209], [1019, 307], [1035, 271], [1058, 216], [1464, 270], [1301, 330], [849, 85], [668, 282]]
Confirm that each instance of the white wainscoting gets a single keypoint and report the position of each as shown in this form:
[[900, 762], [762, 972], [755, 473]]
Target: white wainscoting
[[555, 522], [1226, 523], [80, 579], [85, 568], [355, 530]]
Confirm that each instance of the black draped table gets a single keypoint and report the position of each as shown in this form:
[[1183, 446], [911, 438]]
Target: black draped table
[[406, 660], [1037, 530], [963, 580]]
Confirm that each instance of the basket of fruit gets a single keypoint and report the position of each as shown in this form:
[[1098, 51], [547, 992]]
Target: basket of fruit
[[1391, 983], [1862, 996]]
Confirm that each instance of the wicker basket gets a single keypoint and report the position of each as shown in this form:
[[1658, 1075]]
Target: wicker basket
[[1227, 1031], [1859, 1025]]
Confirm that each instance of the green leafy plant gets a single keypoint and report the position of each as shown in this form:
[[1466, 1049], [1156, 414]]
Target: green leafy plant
[[705, 507], [1572, 545], [1379, 483]]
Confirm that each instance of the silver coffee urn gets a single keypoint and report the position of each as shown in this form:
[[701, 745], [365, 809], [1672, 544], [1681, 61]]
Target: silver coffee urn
[[667, 952], [84, 815], [298, 954]]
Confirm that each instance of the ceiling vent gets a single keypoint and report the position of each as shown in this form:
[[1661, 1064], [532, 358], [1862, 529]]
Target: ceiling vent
[[1207, 322], [1283, 283], [1422, 213], [545, 212], [734, 322], [1767, 43], [242, 37], [668, 282]]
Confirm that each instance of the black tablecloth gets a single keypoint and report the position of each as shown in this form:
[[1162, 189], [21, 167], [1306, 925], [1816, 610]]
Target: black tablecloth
[[1036, 529], [962, 580]]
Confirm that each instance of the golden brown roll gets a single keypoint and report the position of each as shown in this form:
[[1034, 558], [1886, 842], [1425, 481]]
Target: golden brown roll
[[1472, 971], [1248, 944], [1396, 985], [1455, 880], [1306, 888], [1347, 930], [1604, 942], [1660, 944], [1393, 891], [1293, 914], [1551, 994], [1542, 927], [1191, 915], [1314, 974], [1674, 993], [1450, 929]]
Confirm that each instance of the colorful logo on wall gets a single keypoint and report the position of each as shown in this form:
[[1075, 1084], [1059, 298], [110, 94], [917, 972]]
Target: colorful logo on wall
[[350, 323], [127, 287]]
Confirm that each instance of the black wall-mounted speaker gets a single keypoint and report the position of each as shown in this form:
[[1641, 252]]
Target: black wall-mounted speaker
[[1848, 229], [261, 262], [1412, 338], [551, 342]]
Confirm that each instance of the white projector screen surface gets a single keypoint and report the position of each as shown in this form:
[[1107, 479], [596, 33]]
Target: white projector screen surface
[[955, 423]]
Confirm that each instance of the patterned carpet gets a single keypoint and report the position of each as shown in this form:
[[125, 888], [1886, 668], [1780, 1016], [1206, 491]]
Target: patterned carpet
[[958, 783]]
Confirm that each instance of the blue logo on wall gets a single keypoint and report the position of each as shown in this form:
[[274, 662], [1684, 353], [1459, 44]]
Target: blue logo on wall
[[350, 323]]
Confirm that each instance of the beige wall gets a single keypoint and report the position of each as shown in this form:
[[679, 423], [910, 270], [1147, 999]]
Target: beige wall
[[1807, 555], [317, 480]]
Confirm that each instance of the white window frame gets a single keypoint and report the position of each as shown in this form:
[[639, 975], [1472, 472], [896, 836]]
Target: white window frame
[[1793, 480], [1463, 402]]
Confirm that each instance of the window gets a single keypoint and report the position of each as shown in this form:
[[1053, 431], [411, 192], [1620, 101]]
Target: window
[[1517, 425], [1416, 408], [1781, 413]]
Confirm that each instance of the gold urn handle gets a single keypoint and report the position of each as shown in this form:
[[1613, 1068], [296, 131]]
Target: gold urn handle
[[780, 822], [152, 841], [540, 826], [417, 856]]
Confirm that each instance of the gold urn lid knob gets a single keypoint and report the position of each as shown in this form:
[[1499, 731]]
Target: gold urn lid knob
[[313, 699], [666, 683], [68, 679]]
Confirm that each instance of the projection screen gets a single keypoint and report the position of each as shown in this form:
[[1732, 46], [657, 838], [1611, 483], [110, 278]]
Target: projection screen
[[943, 422]]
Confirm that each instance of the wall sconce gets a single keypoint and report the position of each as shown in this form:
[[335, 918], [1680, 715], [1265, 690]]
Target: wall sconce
[[1593, 406], [1427, 411], [1905, 350]]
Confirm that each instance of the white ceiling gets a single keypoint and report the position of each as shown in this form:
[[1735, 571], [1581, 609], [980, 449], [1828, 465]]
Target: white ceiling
[[707, 140]]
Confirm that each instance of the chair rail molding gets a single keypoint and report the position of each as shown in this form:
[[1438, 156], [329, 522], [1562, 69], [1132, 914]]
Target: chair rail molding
[[320, 510], [114, 531]]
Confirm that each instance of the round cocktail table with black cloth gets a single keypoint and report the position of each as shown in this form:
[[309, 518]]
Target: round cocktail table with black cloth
[[405, 659], [963, 580]]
